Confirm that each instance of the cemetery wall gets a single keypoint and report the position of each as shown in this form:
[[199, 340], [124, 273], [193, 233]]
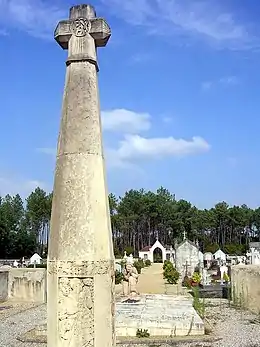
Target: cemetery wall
[[4, 285], [246, 286], [24, 285]]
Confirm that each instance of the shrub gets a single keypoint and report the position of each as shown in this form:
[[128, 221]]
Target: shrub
[[139, 265], [147, 262], [166, 262], [118, 277], [170, 273], [142, 333]]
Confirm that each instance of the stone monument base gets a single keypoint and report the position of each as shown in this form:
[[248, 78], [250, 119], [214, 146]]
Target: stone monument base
[[160, 315]]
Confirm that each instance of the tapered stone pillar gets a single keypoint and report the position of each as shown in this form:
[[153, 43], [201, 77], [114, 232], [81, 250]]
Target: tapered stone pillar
[[80, 259]]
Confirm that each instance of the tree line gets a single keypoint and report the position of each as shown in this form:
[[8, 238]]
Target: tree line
[[137, 219]]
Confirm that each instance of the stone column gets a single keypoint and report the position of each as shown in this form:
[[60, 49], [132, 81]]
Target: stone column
[[80, 259]]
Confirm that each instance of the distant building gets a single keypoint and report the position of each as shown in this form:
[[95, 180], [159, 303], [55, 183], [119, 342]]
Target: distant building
[[220, 256], [35, 259], [147, 253]]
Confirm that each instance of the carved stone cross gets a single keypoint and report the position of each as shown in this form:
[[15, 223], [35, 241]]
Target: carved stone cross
[[82, 33], [81, 305]]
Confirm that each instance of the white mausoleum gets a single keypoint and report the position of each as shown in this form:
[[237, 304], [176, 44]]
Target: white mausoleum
[[147, 253], [220, 256]]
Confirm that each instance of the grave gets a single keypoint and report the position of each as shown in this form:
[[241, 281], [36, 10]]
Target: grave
[[161, 315]]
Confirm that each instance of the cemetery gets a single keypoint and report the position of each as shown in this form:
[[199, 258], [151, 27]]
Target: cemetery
[[169, 295]]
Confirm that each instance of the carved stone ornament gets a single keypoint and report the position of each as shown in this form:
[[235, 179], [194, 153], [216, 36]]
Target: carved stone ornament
[[80, 27]]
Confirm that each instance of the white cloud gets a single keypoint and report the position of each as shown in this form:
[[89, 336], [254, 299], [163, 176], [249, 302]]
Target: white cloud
[[134, 147], [137, 147], [16, 185], [37, 17], [204, 19], [230, 80], [227, 81], [125, 121], [207, 20]]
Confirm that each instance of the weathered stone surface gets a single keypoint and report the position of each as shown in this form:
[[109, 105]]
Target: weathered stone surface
[[161, 315], [245, 282], [23, 285], [80, 260]]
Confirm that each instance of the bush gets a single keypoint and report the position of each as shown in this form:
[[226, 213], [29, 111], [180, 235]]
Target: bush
[[118, 277], [166, 262], [147, 262], [170, 273], [142, 333], [139, 265]]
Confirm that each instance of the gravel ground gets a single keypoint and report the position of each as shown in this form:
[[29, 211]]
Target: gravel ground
[[235, 328], [13, 324]]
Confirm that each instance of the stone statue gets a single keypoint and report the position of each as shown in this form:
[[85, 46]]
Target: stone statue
[[130, 279]]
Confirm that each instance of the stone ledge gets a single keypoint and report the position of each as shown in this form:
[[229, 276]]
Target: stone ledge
[[33, 336]]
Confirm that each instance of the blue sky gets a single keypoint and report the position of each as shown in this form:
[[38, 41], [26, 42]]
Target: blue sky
[[179, 83]]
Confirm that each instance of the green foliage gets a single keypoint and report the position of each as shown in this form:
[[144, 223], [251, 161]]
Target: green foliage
[[170, 273], [198, 304], [147, 263], [139, 265], [166, 262], [137, 219], [196, 277], [142, 333], [118, 277], [226, 277]]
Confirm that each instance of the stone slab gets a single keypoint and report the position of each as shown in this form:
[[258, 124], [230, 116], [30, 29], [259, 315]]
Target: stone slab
[[161, 315]]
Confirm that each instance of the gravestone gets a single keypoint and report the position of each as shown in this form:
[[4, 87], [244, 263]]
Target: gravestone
[[80, 260], [186, 258]]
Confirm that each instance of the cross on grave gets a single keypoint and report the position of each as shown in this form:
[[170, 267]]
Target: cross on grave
[[184, 235], [186, 266], [81, 34]]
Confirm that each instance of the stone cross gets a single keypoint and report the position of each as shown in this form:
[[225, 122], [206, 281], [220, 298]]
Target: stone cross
[[81, 34], [184, 235], [81, 260]]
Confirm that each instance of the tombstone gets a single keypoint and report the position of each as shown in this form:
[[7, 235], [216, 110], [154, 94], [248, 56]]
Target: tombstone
[[206, 278], [223, 270], [253, 256], [15, 264], [80, 259]]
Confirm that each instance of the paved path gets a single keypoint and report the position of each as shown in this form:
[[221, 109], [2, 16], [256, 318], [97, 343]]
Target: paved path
[[151, 280]]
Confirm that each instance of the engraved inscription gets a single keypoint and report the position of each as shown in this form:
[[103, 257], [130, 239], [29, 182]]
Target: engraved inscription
[[80, 27], [76, 312], [80, 269]]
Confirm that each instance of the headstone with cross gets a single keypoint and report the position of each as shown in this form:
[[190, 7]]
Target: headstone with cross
[[80, 260]]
